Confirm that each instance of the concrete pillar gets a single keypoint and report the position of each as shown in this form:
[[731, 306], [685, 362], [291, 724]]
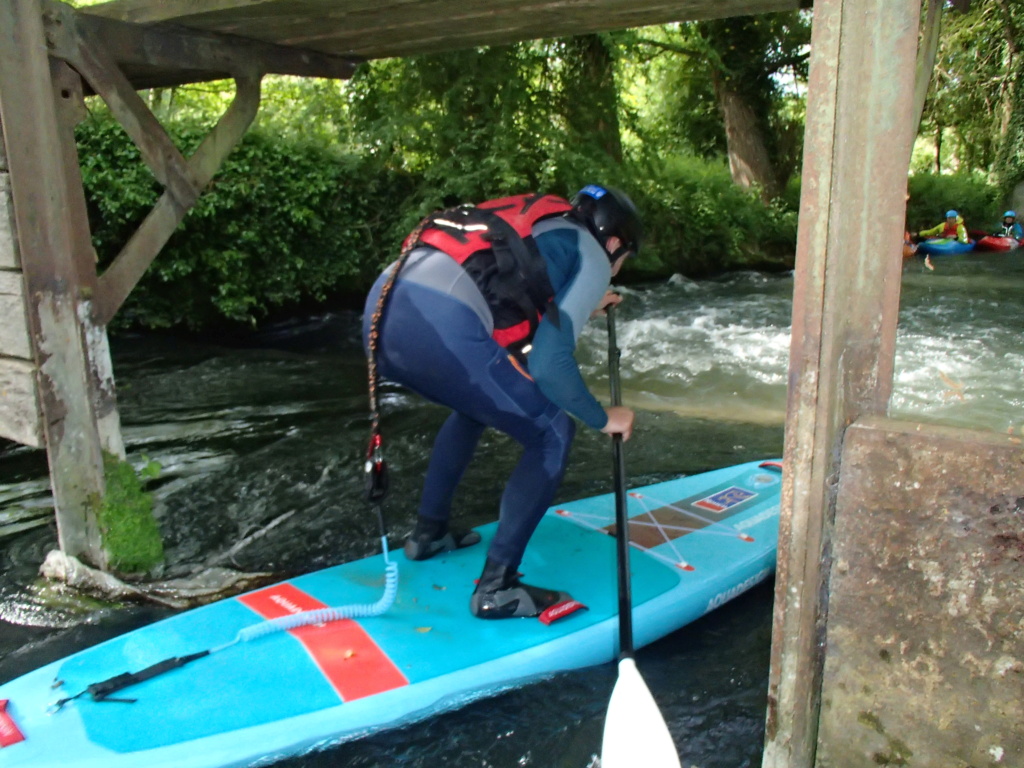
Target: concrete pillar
[[924, 651]]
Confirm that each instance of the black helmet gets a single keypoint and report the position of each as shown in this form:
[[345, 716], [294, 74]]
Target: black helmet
[[608, 212]]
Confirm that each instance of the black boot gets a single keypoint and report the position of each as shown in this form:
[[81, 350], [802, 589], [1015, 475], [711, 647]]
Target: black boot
[[431, 537], [500, 595]]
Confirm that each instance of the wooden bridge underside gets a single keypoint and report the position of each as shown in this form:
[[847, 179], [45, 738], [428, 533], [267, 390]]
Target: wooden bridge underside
[[56, 378]]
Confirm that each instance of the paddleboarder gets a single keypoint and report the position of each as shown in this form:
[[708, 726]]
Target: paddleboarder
[[483, 317]]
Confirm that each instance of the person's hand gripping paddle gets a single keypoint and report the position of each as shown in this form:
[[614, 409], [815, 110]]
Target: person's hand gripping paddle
[[635, 733]]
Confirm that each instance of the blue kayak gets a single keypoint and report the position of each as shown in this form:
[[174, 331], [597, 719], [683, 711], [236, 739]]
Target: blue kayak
[[944, 246], [698, 542]]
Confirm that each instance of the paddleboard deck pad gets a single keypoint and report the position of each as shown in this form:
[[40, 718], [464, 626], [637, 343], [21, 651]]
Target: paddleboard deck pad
[[697, 542]]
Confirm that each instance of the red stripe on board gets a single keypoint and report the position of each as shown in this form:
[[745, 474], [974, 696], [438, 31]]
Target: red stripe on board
[[9, 731], [348, 657]]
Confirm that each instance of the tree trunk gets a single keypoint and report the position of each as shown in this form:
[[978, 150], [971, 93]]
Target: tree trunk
[[1010, 160], [749, 162], [592, 107]]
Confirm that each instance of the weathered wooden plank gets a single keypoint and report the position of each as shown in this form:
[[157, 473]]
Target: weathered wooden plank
[[38, 183], [8, 245], [164, 55], [84, 51], [405, 27], [14, 336], [68, 96], [857, 149], [19, 403]]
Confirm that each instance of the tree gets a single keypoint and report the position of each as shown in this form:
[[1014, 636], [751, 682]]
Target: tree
[[1010, 160], [590, 93], [741, 64], [970, 103]]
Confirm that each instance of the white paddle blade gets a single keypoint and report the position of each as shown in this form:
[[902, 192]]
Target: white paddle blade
[[635, 733]]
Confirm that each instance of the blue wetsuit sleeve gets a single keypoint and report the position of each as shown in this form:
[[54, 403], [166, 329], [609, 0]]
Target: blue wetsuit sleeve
[[554, 368], [580, 276]]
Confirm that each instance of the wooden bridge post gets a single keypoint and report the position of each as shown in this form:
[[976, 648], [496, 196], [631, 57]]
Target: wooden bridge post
[[56, 364], [858, 137], [51, 235]]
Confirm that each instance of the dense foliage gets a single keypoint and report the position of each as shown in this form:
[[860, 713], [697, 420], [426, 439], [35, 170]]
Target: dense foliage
[[701, 123], [931, 195], [284, 221], [970, 100]]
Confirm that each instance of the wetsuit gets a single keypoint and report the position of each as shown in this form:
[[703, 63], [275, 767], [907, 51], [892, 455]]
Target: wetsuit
[[436, 339]]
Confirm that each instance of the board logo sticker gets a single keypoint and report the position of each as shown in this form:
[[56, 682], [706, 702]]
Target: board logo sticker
[[725, 499], [561, 610]]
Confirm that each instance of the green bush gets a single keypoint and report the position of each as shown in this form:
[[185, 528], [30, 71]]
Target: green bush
[[289, 223], [699, 222], [931, 195], [283, 222]]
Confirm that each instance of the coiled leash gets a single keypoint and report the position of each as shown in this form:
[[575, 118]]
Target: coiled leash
[[102, 690]]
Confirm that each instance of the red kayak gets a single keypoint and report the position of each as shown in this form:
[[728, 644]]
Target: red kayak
[[996, 243]]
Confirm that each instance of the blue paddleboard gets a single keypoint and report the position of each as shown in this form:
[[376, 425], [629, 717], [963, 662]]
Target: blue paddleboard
[[698, 542]]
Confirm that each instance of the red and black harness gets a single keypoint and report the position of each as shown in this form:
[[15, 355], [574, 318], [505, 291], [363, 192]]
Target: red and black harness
[[493, 241]]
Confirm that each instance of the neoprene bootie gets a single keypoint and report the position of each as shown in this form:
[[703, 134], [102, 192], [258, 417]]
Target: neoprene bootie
[[500, 594], [431, 537]]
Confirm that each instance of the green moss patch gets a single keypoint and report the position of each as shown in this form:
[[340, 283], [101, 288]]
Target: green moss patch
[[131, 536]]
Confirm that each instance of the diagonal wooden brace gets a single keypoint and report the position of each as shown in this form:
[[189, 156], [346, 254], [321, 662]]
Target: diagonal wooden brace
[[80, 43], [83, 50], [156, 229]]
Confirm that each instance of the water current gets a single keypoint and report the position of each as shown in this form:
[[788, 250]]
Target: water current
[[260, 444]]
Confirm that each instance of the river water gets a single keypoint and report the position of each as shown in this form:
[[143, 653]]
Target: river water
[[260, 444]]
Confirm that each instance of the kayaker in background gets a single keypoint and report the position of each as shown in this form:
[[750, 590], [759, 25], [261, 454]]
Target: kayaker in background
[[1011, 227], [953, 228], [457, 330]]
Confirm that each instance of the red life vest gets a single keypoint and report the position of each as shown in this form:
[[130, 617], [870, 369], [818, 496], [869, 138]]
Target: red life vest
[[493, 242], [951, 231]]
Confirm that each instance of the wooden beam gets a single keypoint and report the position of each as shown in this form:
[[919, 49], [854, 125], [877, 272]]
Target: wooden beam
[[68, 96], [8, 245], [39, 186], [377, 29], [14, 336], [162, 55], [131, 263], [926, 54], [857, 147], [85, 52], [19, 403]]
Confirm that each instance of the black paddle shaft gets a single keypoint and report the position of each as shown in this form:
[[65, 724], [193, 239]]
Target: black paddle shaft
[[621, 521]]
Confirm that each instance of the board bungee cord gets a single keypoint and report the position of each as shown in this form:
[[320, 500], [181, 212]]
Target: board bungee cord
[[103, 690]]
